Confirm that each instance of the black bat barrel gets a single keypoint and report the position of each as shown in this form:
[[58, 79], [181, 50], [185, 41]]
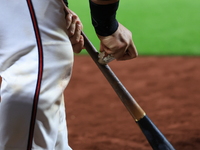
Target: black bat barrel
[[155, 138]]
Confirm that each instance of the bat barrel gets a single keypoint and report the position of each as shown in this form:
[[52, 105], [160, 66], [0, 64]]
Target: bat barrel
[[155, 138]]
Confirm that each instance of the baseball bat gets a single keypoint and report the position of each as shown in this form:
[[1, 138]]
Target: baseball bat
[[155, 138]]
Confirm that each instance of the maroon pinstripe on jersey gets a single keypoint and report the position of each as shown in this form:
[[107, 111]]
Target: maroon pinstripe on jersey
[[40, 72]]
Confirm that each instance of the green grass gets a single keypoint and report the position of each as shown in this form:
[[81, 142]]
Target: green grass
[[164, 27]]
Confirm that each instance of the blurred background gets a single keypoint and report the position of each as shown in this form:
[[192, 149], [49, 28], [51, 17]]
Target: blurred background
[[164, 27]]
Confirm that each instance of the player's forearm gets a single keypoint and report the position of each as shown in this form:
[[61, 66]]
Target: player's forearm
[[104, 2]]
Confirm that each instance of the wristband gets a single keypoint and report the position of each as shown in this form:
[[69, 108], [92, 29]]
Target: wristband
[[104, 18]]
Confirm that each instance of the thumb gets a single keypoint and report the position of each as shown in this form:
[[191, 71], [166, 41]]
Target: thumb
[[101, 47]]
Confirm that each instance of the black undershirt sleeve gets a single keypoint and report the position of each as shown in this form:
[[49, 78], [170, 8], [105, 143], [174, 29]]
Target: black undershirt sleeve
[[66, 2]]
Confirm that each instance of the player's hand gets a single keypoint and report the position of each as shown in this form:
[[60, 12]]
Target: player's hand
[[119, 44], [74, 28]]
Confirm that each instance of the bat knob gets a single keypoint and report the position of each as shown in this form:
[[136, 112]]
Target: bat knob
[[104, 58]]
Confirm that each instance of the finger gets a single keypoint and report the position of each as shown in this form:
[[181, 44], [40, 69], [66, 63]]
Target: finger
[[77, 34], [131, 53], [68, 20], [108, 50], [78, 46], [101, 48], [114, 52], [105, 49], [126, 57], [119, 53], [72, 27]]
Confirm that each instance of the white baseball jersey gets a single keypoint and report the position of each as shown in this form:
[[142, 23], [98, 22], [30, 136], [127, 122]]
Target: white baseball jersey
[[36, 59]]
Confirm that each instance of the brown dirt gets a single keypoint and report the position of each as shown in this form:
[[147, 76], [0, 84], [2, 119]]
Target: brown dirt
[[167, 88]]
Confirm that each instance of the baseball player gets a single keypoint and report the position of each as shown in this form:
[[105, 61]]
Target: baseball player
[[37, 41]]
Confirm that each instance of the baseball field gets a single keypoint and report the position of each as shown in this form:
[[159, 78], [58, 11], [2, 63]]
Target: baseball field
[[164, 80]]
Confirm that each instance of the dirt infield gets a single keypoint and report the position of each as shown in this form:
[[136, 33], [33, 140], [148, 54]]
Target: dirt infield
[[167, 88]]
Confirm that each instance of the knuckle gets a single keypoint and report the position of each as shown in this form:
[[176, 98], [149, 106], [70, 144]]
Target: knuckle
[[75, 17], [70, 33], [76, 40], [134, 55]]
